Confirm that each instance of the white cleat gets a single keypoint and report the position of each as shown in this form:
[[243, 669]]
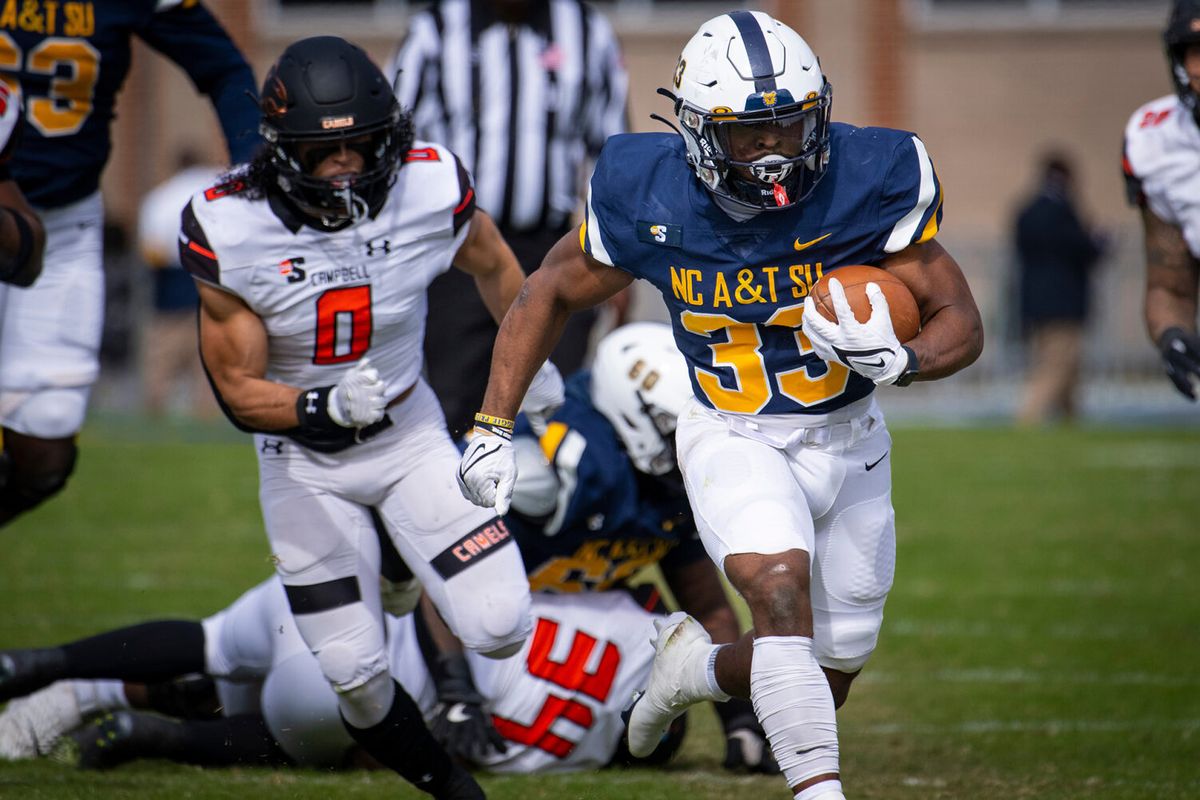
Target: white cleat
[[680, 641], [31, 725]]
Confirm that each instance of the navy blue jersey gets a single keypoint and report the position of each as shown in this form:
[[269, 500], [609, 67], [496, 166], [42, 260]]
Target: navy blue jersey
[[70, 59], [609, 520], [736, 290]]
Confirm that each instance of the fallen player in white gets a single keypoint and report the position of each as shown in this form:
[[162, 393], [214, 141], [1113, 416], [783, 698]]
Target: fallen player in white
[[556, 704]]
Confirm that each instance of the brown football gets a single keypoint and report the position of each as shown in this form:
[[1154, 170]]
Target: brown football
[[906, 320]]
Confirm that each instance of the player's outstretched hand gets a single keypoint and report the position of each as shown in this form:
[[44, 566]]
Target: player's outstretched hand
[[869, 348], [358, 398], [1181, 355], [460, 724], [544, 397], [488, 470]]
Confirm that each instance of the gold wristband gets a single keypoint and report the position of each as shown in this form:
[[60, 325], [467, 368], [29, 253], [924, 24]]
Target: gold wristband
[[499, 422]]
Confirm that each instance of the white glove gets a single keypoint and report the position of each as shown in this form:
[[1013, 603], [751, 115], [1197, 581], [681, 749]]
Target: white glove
[[488, 471], [869, 348], [357, 400], [544, 397]]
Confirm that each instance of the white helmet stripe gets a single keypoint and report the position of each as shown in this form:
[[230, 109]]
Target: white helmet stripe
[[757, 51]]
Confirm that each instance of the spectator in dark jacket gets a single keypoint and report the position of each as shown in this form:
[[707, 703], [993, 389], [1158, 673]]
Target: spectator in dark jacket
[[1056, 253]]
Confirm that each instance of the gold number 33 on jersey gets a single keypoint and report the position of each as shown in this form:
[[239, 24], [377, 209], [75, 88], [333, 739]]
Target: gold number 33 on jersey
[[742, 352]]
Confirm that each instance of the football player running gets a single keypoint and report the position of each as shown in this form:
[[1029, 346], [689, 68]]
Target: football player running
[[783, 449], [69, 61], [599, 496], [1162, 173], [312, 265]]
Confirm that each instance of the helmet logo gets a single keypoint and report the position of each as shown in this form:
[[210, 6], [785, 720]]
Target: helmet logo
[[274, 102], [769, 98], [334, 123], [679, 73]]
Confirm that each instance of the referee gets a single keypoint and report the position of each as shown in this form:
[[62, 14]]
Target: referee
[[523, 91]]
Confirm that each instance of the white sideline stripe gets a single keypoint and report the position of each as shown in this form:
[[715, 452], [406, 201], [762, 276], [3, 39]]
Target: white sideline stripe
[[906, 228], [1048, 726], [1025, 676]]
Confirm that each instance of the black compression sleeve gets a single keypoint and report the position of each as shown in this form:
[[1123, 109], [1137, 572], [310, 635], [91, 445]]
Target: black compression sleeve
[[152, 651]]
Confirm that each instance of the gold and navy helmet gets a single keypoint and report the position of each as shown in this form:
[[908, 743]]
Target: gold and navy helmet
[[746, 81]]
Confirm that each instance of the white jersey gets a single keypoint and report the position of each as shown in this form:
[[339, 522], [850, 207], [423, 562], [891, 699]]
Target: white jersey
[[327, 298], [558, 701], [1162, 164]]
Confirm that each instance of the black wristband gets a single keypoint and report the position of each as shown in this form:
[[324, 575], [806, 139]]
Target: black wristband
[[312, 409], [15, 271], [911, 370]]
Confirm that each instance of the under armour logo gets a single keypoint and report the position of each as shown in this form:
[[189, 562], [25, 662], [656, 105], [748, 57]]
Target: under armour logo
[[272, 446], [311, 406], [384, 246]]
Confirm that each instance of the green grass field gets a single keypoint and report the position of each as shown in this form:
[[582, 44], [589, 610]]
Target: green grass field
[[1042, 639]]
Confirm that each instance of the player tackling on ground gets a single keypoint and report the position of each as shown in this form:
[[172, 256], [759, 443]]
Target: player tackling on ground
[[310, 261], [784, 451]]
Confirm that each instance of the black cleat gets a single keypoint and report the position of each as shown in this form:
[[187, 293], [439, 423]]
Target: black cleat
[[23, 672], [460, 785], [108, 742]]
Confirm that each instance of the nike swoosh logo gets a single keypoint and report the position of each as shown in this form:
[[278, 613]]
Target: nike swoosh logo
[[871, 364], [457, 714], [847, 355], [462, 471], [875, 463], [807, 245]]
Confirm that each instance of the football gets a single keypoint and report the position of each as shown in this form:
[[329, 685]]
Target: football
[[906, 320]]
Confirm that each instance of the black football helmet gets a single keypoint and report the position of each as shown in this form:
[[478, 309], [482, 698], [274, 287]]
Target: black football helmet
[[326, 90], [1183, 28]]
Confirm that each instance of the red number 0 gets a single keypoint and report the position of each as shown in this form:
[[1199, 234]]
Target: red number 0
[[349, 306], [570, 675]]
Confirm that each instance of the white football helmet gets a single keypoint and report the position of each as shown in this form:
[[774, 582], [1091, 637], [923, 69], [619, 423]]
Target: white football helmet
[[640, 383], [754, 110]]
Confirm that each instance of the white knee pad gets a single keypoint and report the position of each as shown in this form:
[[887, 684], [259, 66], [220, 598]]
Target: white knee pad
[[793, 702], [368, 703], [348, 642], [47, 413], [301, 712], [501, 625]]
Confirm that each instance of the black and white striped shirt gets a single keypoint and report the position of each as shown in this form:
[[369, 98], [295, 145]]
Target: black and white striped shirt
[[521, 105]]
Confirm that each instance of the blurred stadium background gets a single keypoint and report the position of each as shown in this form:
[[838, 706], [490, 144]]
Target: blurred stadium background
[[988, 84], [1041, 639]]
